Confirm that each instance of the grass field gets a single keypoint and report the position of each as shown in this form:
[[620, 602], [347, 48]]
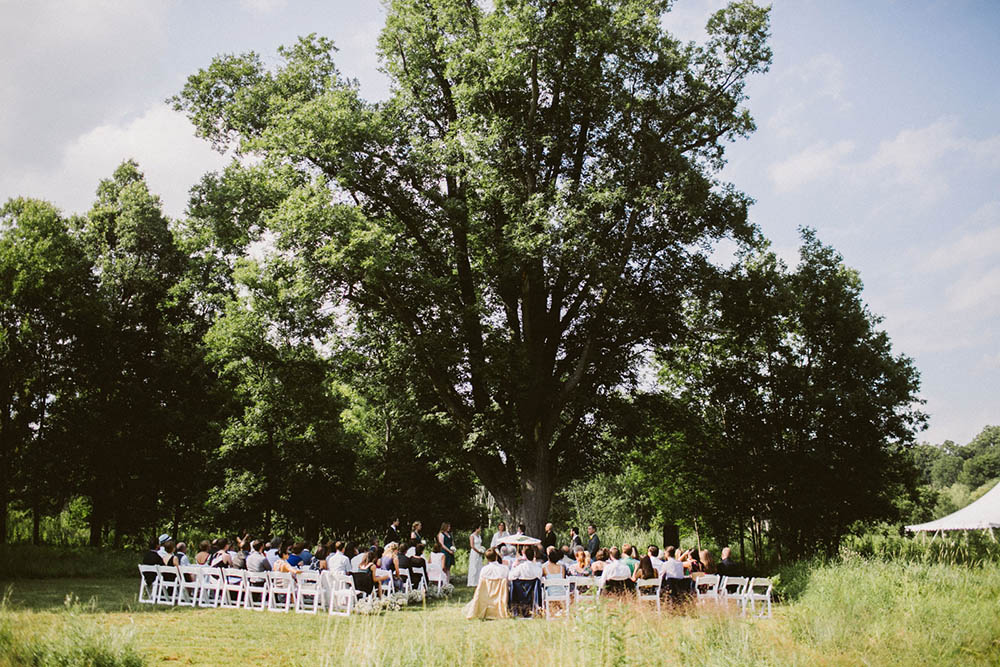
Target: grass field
[[846, 613]]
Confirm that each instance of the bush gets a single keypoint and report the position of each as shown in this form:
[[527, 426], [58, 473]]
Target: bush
[[958, 548]]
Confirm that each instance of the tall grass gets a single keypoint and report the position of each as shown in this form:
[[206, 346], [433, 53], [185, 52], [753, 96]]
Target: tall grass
[[74, 640], [958, 548]]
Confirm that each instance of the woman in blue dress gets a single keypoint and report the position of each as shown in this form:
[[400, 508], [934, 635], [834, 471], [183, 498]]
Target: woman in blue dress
[[447, 546]]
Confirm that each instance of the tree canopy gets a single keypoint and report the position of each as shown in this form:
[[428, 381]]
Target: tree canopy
[[526, 212]]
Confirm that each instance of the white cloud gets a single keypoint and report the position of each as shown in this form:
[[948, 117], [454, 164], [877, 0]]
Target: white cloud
[[972, 247], [979, 290], [161, 140], [263, 6], [804, 87], [820, 160]]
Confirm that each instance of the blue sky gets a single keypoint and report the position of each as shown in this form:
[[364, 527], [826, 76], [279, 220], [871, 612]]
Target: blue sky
[[878, 125]]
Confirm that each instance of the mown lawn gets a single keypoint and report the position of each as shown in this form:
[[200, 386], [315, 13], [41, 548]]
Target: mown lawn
[[846, 614]]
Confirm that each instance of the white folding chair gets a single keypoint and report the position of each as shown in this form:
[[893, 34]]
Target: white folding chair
[[758, 590], [584, 588], [418, 574], [733, 590], [435, 574], [149, 579], [342, 594], [234, 587], [211, 587], [707, 588], [309, 592], [648, 589], [190, 585], [282, 586], [556, 589], [258, 591], [388, 586], [167, 585]]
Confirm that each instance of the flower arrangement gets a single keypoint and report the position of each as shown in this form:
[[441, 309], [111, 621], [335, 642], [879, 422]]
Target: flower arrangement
[[440, 594]]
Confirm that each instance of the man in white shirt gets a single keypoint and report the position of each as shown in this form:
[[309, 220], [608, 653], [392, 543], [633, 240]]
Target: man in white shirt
[[338, 562], [272, 551], [164, 538], [672, 568], [528, 568], [654, 558], [615, 569], [493, 569]]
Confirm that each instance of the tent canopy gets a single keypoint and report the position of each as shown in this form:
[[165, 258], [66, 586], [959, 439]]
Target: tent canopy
[[980, 515]]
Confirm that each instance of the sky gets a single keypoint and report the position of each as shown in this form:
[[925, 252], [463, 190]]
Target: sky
[[878, 125]]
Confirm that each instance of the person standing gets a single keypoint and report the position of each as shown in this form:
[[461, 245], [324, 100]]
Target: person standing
[[549, 539], [392, 533], [594, 543], [415, 535], [476, 552], [447, 546], [574, 538]]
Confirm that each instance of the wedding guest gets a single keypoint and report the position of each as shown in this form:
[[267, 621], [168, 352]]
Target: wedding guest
[[392, 534], [204, 552], [645, 569], [447, 546], [527, 569], [581, 568], [594, 543], [707, 564], [549, 539], [181, 553], [493, 569], [257, 561], [499, 535], [553, 566]]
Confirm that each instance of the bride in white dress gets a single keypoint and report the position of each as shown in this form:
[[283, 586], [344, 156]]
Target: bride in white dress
[[476, 552]]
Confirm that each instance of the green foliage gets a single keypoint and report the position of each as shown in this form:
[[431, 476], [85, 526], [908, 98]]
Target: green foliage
[[26, 561], [526, 210], [75, 641], [798, 413]]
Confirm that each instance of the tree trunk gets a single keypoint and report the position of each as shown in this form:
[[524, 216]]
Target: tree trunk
[[537, 489], [174, 526]]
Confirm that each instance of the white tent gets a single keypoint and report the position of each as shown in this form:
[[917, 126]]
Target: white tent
[[984, 514]]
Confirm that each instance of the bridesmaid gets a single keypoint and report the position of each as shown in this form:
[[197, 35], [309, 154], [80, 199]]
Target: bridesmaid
[[476, 552], [499, 535], [447, 546]]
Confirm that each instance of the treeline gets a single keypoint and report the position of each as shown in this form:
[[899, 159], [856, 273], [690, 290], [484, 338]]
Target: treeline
[[152, 369], [161, 373], [950, 476]]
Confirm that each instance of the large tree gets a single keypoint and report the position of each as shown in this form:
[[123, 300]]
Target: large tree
[[524, 214]]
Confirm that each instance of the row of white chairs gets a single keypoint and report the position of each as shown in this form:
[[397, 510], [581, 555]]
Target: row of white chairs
[[742, 591], [308, 591]]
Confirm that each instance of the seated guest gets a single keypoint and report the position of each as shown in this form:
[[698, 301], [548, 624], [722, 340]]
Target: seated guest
[[306, 555], [282, 564], [615, 573], [554, 567], [338, 561], [257, 561], [645, 569], [727, 566], [220, 557], [654, 557], [672, 568], [437, 555], [164, 538], [581, 566], [567, 558], [294, 554], [356, 560], [152, 557], [402, 560], [181, 553], [169, 558], [204, 552], [707, 564], [271, 550], [599, 561], [528, 569], [369, 566], [493, 569], [691, 562], [628, 557], [318, 560]]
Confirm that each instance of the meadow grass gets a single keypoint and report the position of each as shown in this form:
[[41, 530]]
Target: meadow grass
[[844, 613]]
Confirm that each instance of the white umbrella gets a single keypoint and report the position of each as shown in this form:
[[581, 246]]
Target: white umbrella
[[520, 539]]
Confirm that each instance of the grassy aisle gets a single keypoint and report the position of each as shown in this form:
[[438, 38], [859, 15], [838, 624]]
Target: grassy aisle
[[873, 613]]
